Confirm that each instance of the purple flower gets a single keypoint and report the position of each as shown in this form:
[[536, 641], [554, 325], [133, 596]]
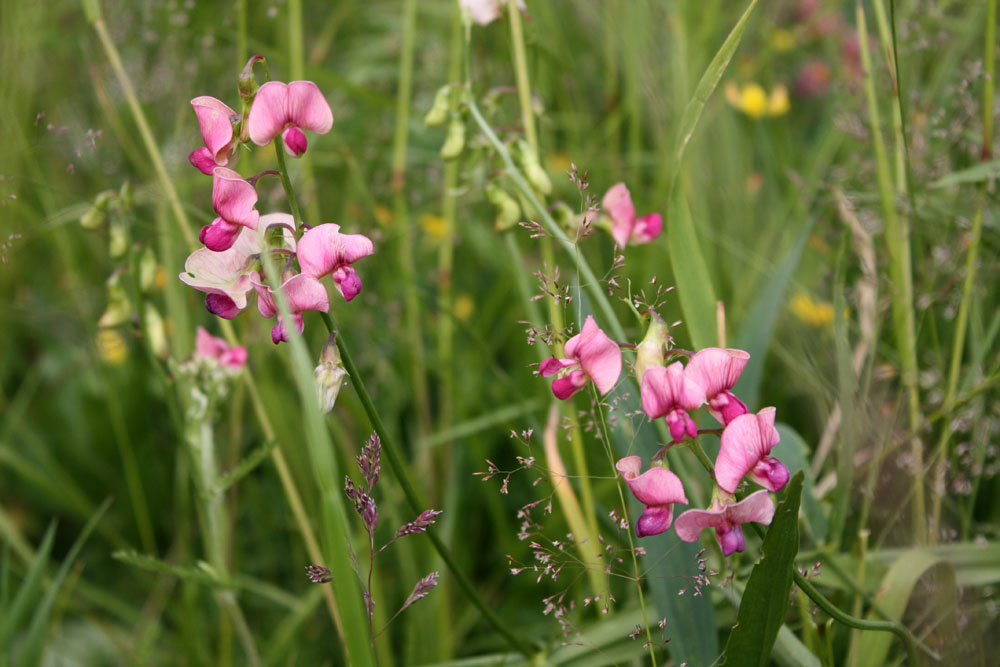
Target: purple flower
[[746, 443], [589, 355], [717, 371]]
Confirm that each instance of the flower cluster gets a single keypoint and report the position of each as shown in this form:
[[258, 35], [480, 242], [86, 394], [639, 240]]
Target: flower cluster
[[229, 267], [671, 392]]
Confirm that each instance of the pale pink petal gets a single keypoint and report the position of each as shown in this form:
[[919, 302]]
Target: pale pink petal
[[757, 507], [234, 357], [268, 115], [355, 246], [203, 160], [305, 293], [323, 249], [601, 360], [233, 198], [745, 441], [690, 524], [219, 236], [552, 365], [716, 369], [656, 486], [207, 345], [621, 232], [666, 388], [482, 12], [225, 272], [295, 140], [307, 108], [215, 119], [646, 229], [565, 387], [589, 330], [347, 282], [223, 306], [265, 300], [283, 220], [618, 204]]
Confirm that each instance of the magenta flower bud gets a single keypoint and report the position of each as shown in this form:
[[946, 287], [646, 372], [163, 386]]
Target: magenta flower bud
[[203, 160], [215, 120], [222, 305], [770, 473], [657, 488], [589, 355], [295, 140], [219, 236]]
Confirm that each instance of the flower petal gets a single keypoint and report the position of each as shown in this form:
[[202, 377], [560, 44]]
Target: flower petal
[[690, 524], [233, 198], [565, 387], [717, 369], [347, 282], [758, 507], [654, 520], [268, 115], [203, 160], [219, 236], [646, 229], [306, 293], [295, 140], [214, 118], [601, 359], [307, 108], [552, 365], [656, 486], [745, 441], [618, 204], [666, 388], [224, 272], [323, 249], [223, 306]]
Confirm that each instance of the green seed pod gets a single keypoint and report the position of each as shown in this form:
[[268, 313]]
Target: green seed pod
[[533, 169], [564, 216], [651, 352], [147, 270], [118, 238], [454, 143], [438, 112], [155, 331], [119, 308], [508, 210]]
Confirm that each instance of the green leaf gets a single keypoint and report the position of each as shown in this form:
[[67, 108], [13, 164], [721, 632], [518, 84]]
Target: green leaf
[[793, 452], [197, 575], [694, 283], [765, 600], [27, 593], [244, 467], [985, 171], [754, 334], [706, 85]]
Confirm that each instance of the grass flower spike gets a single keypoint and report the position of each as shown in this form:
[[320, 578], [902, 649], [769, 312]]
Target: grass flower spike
[[323, 250], [591, 355], [726, 517], [746, 443], [216, 121], [287, 109], [657, 488]]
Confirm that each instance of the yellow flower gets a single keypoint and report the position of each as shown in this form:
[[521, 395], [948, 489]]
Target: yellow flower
[[814, 313], [783, 40], [433, 226], [111, 346], [383, 215], [754, 101], [463, 307]]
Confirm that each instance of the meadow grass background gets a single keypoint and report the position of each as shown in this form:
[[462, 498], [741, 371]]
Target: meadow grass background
[[791, 222]]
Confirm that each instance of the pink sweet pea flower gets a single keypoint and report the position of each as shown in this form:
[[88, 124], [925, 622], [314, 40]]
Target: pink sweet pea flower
[[210, 347], [726, 518], [287, 109], [591, 354], [324, 250], [225, 276], [233, 199], [657, 489], [667, 391], [746, 443], [303, 293], [717, 371], [625, 227], [216, 121]]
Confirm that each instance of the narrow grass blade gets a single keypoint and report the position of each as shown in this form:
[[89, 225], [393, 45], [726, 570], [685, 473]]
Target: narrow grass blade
[[765, 600], [793, 452], [694, 283], [26, 594]]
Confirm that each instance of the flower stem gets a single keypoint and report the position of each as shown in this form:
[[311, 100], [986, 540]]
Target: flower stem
[[286, 183], [415, 502]]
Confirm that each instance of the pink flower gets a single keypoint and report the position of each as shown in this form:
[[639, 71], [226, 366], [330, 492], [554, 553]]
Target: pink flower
[[717, 371], [657, 489], [746, 443], [625, 227], [726, 518], [216, 121], [233, 199], [210, 347], [287, 109], [324, 250], [667, 391], [591, 354], [485, 12], [225, 276], [303, 293]]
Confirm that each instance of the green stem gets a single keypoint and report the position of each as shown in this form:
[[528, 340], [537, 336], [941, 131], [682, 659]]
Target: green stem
[[897, 237], [521, 71], [416, 503], [286, 183], [606, 439]]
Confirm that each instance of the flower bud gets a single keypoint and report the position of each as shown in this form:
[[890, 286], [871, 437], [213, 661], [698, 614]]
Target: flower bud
[[97, 215], [247, 82], [455, 140], [329, 376], [508, 210], [651, 352], [438, 112]]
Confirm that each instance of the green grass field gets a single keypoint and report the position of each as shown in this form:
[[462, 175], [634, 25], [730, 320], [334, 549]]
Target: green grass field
[[825, 176]]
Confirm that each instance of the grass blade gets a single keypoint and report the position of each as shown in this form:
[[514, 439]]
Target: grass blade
[[694, 283]]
